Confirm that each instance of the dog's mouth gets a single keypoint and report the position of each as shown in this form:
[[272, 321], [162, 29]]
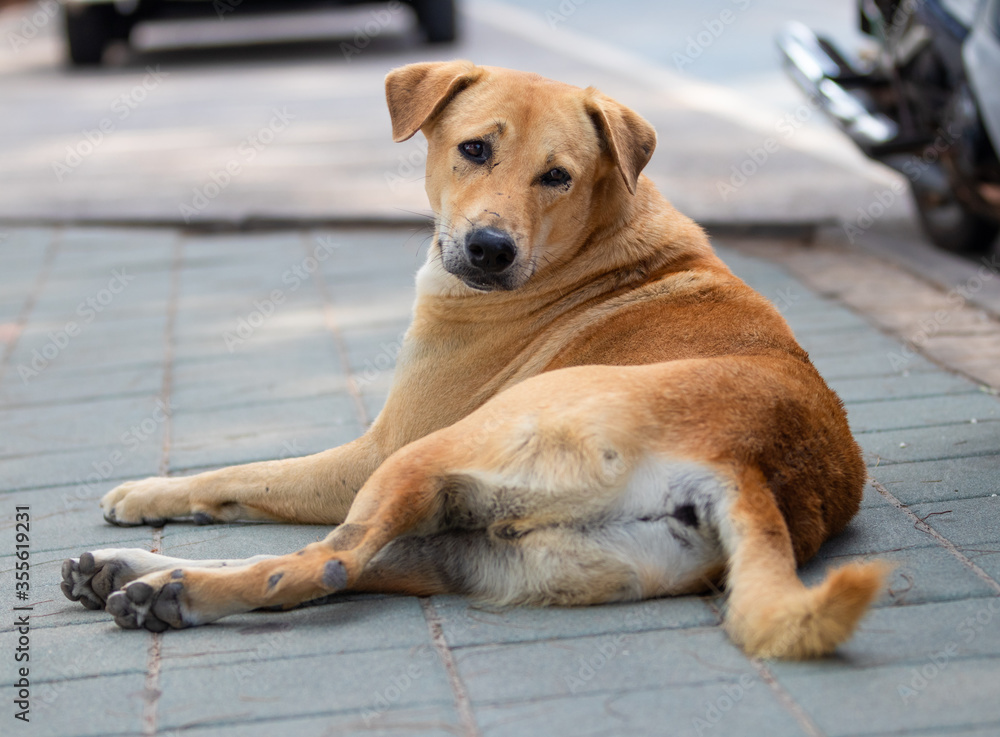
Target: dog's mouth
[[484, 282]]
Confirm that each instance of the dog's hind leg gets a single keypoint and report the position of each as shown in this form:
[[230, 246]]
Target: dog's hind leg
[[91, 578], [770, 613]]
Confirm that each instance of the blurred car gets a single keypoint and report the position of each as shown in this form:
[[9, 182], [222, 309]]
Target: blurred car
[[90, 25]]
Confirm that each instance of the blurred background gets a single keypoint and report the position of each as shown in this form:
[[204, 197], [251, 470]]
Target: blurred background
[[224, 113], [229, 111]]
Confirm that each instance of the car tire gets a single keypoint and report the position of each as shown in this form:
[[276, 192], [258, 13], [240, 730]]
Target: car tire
[[89, 29], [438, 20]]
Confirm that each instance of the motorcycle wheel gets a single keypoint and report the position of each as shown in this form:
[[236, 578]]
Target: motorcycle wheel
[[947, 221]]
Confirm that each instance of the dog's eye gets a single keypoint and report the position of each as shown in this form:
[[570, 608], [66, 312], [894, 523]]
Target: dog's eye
[[477, 151], [555, 177]]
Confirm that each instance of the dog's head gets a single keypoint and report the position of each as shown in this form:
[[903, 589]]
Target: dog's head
[[519, 168]]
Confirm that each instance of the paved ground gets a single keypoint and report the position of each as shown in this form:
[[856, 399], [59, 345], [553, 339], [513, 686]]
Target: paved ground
[[126, 352], [253, 363]]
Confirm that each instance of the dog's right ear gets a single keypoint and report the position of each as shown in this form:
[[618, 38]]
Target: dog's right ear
[[418, 92]]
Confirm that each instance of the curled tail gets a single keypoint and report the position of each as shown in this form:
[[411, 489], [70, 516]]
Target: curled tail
[[770, 613]]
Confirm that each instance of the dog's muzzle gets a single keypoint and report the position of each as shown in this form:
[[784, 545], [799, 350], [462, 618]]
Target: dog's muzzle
[[485, 261]]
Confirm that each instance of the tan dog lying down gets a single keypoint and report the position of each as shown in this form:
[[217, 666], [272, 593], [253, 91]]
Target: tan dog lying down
[[589, 407]]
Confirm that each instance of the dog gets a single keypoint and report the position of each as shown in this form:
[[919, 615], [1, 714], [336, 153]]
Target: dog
[[588, 407]]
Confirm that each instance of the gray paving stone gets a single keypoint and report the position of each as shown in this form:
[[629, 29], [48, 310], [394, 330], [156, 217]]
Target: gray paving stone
[[728, 707], [983, 730], [919, 384], [988, 560], [95, 465], [467, 623], [265, 446], [260, 427], [222, 384], [90, 707], [75, 651], [924, 411], [851, 342], [875, 530], [971, 524], [437, 720], [952, 629], [822, 321], [238, 539], [353, 625], [594, 664], [941, 480], [72, 386], [66, 517], [929, 443], [863, 365], [872, 498], [922, 575], [124, 424], [956, 696], [368, 682]]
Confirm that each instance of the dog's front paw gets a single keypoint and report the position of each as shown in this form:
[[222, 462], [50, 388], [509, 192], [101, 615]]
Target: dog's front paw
[[151, 501]]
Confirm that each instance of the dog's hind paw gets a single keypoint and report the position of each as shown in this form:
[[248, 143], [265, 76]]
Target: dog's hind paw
[[142, 606], [90, 581]]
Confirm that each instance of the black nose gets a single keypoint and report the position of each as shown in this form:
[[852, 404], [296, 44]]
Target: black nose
[[490, 249]]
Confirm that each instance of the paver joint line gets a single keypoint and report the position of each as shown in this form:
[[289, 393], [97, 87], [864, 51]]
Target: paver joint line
[[940, 539], [154, 662], [24, 314], [786, 700], [338, 339], [462, 703]]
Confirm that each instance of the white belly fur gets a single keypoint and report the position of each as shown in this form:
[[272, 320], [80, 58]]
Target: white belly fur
[[650, 526]]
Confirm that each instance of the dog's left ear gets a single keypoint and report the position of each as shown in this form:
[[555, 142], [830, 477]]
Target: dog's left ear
[[629, 138], [418, 92]]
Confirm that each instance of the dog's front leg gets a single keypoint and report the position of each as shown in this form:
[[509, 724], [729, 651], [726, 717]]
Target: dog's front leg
[[316, 489], [406, 493]]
